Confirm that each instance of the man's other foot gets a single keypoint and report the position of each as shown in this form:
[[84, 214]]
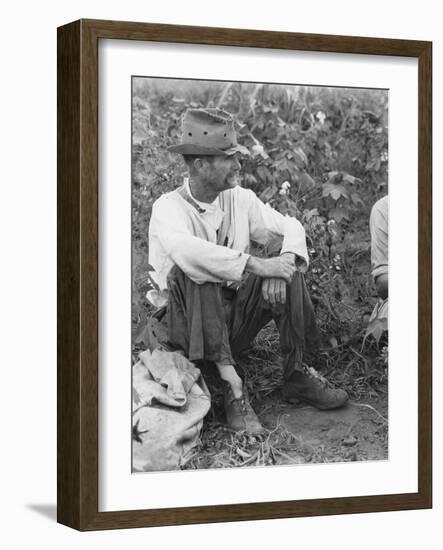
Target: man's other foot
[[240, 416], [309, 386]]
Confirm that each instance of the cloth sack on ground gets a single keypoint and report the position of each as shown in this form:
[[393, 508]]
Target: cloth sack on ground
[[170, 400]]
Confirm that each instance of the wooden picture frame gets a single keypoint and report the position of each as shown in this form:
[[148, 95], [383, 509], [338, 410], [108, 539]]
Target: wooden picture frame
[[78, 244]]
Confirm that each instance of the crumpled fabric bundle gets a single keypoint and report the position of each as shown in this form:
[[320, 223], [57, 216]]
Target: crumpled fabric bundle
[[170, 400]]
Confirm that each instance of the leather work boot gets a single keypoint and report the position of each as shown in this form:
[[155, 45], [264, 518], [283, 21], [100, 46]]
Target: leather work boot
[[309, 386], [239, 414]]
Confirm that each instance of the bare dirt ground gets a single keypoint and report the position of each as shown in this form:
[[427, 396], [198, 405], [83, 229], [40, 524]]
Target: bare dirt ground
[[297, 434], [355, 432]]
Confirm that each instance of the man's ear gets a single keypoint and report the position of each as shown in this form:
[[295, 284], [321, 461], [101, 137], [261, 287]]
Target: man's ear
[[198, 164]]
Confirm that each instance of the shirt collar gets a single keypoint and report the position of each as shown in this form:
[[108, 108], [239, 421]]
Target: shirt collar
[[207, 206]]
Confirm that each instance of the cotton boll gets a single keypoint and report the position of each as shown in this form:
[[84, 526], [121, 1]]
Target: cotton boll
[[284, 189]]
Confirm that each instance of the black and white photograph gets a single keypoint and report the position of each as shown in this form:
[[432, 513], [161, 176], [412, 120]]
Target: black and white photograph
[[259, 239], [207, 212]]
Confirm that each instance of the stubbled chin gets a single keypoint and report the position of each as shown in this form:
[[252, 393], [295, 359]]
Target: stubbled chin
[[234, 181]]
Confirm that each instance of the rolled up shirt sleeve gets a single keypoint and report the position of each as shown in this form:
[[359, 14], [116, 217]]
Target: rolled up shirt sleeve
[[201, 260], [266, 223]]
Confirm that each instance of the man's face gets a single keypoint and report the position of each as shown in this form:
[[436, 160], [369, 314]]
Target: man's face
[[222, 172]]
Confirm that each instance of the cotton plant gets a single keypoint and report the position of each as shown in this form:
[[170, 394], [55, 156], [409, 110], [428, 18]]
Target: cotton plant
[[284, 188], [321, 117]]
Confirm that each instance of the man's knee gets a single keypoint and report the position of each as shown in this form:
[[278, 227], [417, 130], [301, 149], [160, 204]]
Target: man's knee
[[177, 276], [188, 295]]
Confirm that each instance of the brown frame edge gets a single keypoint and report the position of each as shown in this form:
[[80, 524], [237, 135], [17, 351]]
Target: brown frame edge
[[77, 276]]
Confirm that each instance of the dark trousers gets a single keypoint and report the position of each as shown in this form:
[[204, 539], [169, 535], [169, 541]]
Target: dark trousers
[[214, 323]]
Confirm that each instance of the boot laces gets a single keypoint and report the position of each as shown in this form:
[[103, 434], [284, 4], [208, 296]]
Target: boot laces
[[310, 371]]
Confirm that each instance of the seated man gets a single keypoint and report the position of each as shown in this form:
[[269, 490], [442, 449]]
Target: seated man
[[379, 229], [218, 295]]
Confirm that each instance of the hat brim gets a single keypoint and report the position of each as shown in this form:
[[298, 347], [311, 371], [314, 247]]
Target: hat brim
[[191, 149]]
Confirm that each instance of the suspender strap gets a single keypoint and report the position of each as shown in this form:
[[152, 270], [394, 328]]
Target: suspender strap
[[222, 233]]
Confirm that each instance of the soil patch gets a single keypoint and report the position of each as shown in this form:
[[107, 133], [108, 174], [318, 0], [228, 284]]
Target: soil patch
[[296, 434], [358, 431]]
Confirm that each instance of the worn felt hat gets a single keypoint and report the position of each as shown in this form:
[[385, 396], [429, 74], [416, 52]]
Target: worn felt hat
[[208, 132]]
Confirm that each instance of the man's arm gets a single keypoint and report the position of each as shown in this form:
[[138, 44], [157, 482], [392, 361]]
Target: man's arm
[[201, 260], [266, 223], [204, 261], [280, 267]]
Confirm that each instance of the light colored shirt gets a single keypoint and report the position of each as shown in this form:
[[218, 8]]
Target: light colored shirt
[[379, 227], [213, 246]]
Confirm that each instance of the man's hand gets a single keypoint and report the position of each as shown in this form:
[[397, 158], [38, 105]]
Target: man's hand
[[274, 290], [280, 267]]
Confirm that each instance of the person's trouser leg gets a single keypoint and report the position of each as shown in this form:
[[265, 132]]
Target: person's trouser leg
[[298, 332], [197, 326], [197, 323], [196, 319], [295, 319]]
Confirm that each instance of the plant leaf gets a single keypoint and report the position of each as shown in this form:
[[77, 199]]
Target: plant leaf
[[306, 180], [356, 199], [268, 193], [300, 157], [338, 214], [308, 214], [351, 179], [335, 190], [376, 328], [333, 341]]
